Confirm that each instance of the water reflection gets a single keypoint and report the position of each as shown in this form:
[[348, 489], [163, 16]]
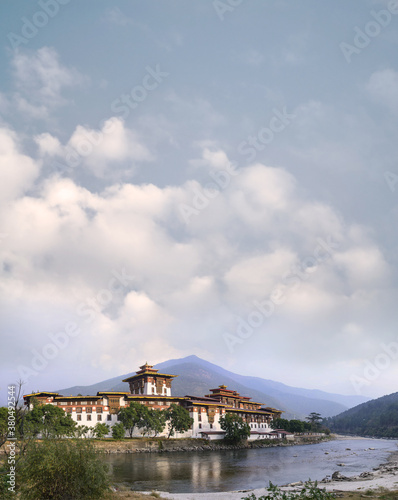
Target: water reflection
[[243, 469]]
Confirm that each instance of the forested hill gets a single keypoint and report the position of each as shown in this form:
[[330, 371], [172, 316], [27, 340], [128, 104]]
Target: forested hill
[[378, 418]]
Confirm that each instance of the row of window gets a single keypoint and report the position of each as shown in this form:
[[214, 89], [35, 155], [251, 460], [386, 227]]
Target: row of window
[[88, 410], [99, 418]]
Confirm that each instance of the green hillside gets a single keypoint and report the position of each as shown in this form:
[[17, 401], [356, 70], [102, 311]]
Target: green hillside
[[378, 418]]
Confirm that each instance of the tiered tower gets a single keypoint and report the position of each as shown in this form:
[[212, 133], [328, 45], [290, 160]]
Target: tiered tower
[[148, 381]]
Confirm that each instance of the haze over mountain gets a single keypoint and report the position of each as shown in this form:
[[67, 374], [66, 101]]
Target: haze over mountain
[[196, 376]]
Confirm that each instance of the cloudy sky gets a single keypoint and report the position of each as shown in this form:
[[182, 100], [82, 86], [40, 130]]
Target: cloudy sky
[[216, 178]]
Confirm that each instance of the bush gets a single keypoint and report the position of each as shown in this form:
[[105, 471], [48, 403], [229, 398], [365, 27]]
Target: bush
[[310, 491], [118, 431], [62, 470]]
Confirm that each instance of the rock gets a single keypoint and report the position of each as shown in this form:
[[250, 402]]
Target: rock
[[337, 476], [341, 465], [366, 475]]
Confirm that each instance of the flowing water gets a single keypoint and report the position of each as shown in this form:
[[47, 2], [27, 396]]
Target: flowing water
[[227, 470]]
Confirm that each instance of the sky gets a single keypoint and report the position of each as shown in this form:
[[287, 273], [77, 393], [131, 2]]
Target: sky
[[216, 178]]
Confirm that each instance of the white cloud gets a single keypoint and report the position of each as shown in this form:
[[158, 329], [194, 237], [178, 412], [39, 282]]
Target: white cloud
[[18, 171], [98, 150], [185, 281], [40, 79], [114, 143], [383, 88]]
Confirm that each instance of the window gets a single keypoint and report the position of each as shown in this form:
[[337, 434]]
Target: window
[[79, 410], [88, 417], [63, 403], [211, 426], [99, 417], [79, 417], [69, 410], [109, 417], [99, 409], [89, 409], [200, 417], [200, 426]]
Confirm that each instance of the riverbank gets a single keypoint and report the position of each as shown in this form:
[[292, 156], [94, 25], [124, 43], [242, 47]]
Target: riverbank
[[153, 445], [379, 479]]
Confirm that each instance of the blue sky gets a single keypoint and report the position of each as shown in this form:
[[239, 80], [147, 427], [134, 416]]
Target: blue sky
[[215, 178]]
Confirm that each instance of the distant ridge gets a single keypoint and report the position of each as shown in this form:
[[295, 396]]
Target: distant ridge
[[196, 376], [377, 418]]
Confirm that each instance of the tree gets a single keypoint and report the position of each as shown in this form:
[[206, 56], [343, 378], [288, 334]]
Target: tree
[[101, 430], [157, 421], [178, 419], [62, 469], [235, 428], [290, 425], [118, 431], [314, 419], [131, 416], [49, 420], [3, 425], [152, 421], [82, 431]]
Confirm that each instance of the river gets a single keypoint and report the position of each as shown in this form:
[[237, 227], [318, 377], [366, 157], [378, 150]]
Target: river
[[227, 470]]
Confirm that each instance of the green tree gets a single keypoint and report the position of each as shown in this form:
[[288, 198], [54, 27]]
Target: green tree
[[314, 419], [290, 425], [82, 431], [101, 430], [131, 416], [235, 428], [118, 431], [62, 469], [3, 425], [178, 419], [49, 420], [158, 421], [152, 421]]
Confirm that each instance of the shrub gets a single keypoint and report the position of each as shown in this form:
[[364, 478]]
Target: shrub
[[62, 470], [118, 431], [310, 491]]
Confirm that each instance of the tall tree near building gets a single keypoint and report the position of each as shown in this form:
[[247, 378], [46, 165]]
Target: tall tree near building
[[152, 421], [178, 419], [314, 419], [131, 416], [235, 428], [49, 421]]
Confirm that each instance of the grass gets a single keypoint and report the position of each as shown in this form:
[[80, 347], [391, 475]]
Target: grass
[[380, 493]]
